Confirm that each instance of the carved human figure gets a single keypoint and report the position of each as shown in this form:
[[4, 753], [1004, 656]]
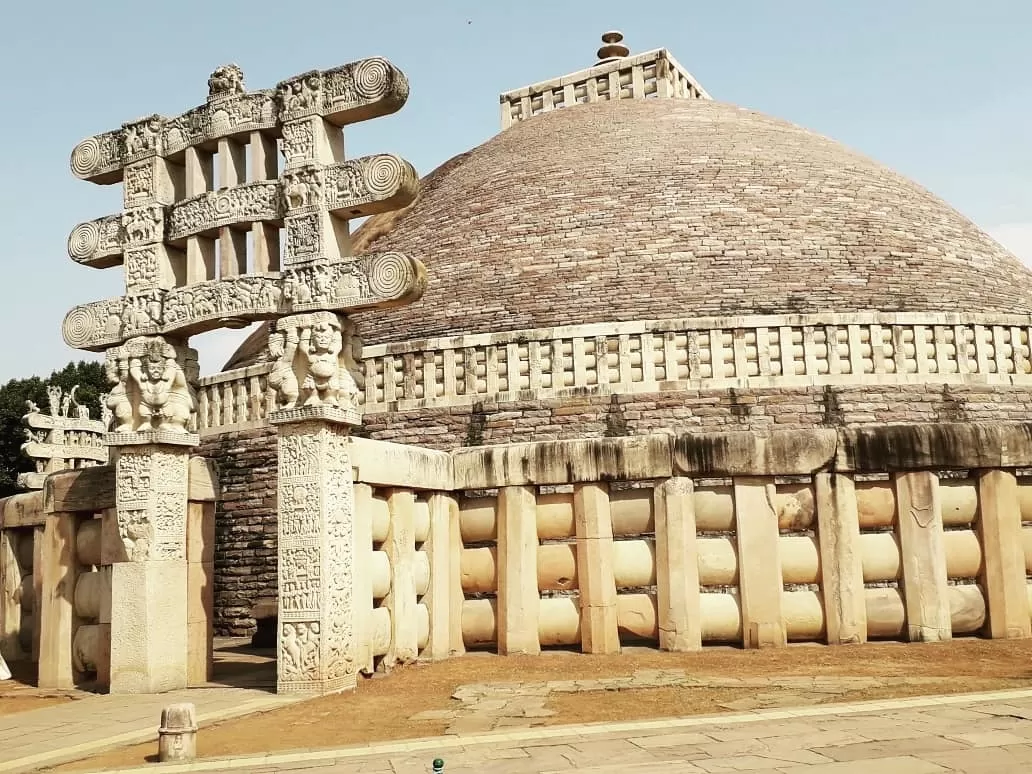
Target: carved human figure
[[54, 399], [300, 647], [310, 648], [31, 437], [137, 534], [351, 374], [120, 410], [106, 414], [321, 345], [283, 348], [320, 282], [349, 184], [165, 399]]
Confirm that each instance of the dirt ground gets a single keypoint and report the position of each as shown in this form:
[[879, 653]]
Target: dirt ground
[[11, 705], [19, 695], [381, 708]]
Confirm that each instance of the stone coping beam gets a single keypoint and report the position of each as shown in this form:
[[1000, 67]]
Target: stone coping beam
[[883, 449], [887, 448], [92, 490]]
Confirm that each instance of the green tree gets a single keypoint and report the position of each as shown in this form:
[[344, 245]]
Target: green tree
[[13, 396]]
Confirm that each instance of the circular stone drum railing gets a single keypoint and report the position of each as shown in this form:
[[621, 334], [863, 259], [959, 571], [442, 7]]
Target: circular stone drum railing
[[619, 358]]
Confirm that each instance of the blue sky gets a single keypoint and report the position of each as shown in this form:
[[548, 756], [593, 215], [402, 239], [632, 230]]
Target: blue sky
[[941, 90]]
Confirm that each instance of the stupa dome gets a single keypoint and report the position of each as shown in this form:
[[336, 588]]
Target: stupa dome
[[639, 209], [649, 209], [652, 209]]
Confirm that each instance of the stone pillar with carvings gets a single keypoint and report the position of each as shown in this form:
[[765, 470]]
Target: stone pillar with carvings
[[153, 434], [316, 408]]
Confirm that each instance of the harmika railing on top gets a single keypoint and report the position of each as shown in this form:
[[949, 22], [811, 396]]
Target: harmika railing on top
[[640, 357], [653, 74]]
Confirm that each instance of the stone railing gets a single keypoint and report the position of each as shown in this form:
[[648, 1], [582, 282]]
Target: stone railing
[[905, 533], [407, 550], [643, 357], [713, 545], [653, 74], [57, 552], [895, 533], [234, 400]]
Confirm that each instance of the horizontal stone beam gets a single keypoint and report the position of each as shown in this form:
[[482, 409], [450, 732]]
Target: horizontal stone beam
[[561, 462], [345, 285], [958, 445], [40, 421], [344, 95], [781, 453], [98, 243], [93, 489], [65, 451], [22, 510], [393, 464], [356, 188], [31, 480], [85, 489]]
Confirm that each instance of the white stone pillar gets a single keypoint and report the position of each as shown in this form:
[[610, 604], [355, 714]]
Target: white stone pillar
[[317, 651], [148, 562], [154, 422]]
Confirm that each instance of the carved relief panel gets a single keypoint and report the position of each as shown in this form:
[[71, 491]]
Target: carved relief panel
[[151, 500]]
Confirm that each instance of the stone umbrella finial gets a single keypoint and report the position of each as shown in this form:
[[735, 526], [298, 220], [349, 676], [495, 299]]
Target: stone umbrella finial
[[612, 49]]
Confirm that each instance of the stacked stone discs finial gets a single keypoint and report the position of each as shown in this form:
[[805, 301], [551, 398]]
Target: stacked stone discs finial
[[612, 48], [195, 187]]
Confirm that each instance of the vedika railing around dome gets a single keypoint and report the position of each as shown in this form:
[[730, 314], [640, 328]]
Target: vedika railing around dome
[[652, 74], [638, 357]]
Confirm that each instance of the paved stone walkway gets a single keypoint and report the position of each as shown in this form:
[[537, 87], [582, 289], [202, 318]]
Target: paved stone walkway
[[94, 723], [493, 706], [988, 732]]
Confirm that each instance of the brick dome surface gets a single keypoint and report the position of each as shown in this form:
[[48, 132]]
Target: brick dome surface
[[651, 209]]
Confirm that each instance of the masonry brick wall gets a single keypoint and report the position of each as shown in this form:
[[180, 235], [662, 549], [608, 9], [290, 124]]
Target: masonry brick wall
[[700, 411], [245, 560], [245, 525]]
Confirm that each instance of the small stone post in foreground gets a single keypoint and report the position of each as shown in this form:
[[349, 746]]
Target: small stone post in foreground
[[177, 735]]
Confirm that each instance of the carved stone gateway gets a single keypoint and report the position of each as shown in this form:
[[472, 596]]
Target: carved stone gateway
[[60, 439], [205, 202]]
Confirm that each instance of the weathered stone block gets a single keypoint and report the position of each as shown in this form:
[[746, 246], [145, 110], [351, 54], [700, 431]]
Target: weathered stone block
[[399, 465], [779, 452], [149, 626], [934, 445], [563, 462]]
